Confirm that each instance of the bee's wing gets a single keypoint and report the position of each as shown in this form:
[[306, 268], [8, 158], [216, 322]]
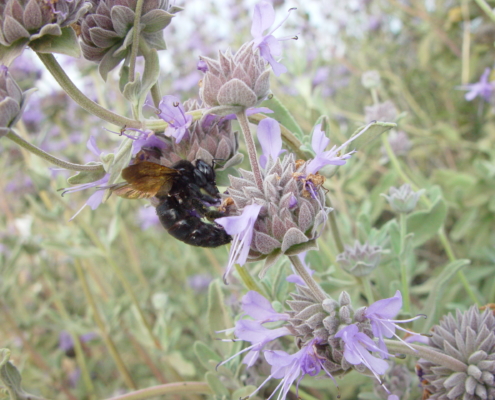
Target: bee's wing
[[144, 180]]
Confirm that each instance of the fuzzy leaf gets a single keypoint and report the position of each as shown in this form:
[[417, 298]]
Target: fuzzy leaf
[[87, 176], [282, 114], [208, 357], [374, 131], [151, 74], [425, 224], [66, 43], [218, 314], [217, 387], [11, 378], [10, 53]]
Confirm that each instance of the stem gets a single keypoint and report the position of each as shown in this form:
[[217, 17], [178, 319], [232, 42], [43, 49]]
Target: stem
[[374, 96], [428, 353], [335, 228], [251, 148], [48, 157], [99, 321], [135, 40], [248, 280], [403, 266], [441, 234], [310, 282], [368, 290], [466, 42], [486, 8], [169, 388], [80, 98]]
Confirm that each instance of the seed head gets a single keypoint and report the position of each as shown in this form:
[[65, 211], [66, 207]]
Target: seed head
[[360, 259], [235, 82], [404, 199], [468, 337]]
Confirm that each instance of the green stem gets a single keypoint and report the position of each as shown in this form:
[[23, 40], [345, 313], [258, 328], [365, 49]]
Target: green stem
[[251, 148], [486, 8], [135, 39], [374, 96], [441, 234], [368, 290], [248, 280], [80, 98], [403, 265], [426, 352], [169, 388], [335, 228], [307, 278], [105, 335], [48, 157]]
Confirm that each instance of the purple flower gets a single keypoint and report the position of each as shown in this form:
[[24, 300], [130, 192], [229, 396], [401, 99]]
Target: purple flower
[[356, 350], [97, 197], [381, 314], [482, 88], [331, 157], [270, 139], [147, 139], [290, 367], [241, 228], [260, 309], [264, 16], [147, 217], [172, 112], [294, 278]]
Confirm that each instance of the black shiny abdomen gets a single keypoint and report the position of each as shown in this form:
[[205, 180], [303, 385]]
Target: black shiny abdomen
[[182, 210]]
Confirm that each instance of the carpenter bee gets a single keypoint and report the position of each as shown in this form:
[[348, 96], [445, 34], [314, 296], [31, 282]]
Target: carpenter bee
[[186, 192]]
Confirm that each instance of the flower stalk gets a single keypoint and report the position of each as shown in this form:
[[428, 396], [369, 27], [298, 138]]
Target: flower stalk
[[310, 282], [135, 40], [427, 353], [80, 98], [402, 262], [169, 388], [251, 148], [48, 157]]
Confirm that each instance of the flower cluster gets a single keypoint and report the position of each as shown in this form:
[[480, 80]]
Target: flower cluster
[[332, 338]]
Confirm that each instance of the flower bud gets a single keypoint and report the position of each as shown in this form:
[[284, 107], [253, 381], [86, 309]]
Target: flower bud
[[23, 21], [235, 82], [107, 30], [360, 260], [404, 199], [370, 79], [12, 101]]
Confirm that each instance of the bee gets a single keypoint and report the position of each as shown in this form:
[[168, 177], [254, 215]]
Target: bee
[[185, 193]]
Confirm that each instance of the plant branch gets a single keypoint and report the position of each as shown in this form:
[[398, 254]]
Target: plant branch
[[80, 98], [48, 157], [251, 148], [135, 40], [310, 282]]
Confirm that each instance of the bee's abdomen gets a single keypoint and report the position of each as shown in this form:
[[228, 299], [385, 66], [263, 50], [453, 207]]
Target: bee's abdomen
[[189, 228]]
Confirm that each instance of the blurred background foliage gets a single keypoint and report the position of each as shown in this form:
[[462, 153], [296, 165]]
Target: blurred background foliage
[[116, 273]]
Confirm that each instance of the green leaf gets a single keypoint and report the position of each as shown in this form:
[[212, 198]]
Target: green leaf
[[374, 131], [151, 74], [208, 357], [11, 378], [216, 385], [394, 232], [124, 77], [436, 292], [464, 224], [425, 224], [244, 392], [121, 160], [132, 90], [218, 314], [87, 176], [10, 53], [66, 43], [283, 116]]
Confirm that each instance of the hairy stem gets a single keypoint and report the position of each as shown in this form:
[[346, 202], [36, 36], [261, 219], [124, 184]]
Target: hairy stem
[[310, 282], [48, 157], [426, 352], [169, 388], [251, 148], [135, 40], [402, 262], [80, 98]]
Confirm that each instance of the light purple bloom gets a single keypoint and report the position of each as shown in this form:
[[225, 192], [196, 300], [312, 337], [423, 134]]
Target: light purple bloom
[[147, 139], [202, 66], [381, 314], [482, 88], [259, 308], [270, 139], [331, 157], [172, 112], [290, 367], [356, 346], [294, 278], [241, 228], [97, 197], [263, 18]]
